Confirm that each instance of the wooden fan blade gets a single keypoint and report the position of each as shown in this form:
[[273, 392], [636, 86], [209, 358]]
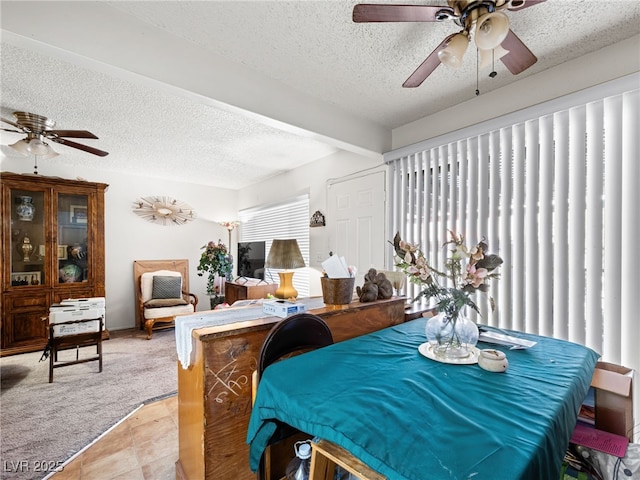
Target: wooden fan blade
[[13, 124], [13, 131], [519, 57], [522, 4], [79, 146], [427, 67], [72, 133], [366, 12]]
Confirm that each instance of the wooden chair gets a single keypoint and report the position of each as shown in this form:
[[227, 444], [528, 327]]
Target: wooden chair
[[162, 293], [89, 333], [294, 335]]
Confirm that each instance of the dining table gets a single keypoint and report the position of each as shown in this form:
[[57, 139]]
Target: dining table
[[410, 416]]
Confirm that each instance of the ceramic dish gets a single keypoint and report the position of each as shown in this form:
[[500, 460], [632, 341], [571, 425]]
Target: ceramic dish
[[426, 350]]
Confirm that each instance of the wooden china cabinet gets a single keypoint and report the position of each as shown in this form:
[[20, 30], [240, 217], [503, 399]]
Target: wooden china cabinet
[[52, 249]]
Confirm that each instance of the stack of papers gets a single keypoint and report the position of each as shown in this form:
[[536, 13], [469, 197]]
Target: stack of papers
[[514, 343], [336, 267]]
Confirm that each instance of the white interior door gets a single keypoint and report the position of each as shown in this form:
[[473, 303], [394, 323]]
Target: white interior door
[[356, 220]]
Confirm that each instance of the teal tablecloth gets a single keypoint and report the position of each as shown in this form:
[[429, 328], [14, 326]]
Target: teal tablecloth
[[410, 417]]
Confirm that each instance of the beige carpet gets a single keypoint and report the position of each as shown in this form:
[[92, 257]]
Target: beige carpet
[[45, 423]]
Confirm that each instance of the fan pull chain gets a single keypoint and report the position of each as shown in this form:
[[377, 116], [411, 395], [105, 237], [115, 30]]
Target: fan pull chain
[[477, 72], [493, 73], [493, 64], [35, 166]]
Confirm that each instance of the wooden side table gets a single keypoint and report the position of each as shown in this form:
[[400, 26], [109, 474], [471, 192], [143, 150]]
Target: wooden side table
[[234, 291], [419, 310]]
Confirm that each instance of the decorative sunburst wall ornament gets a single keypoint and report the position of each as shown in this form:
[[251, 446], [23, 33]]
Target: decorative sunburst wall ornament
[[164, 210]]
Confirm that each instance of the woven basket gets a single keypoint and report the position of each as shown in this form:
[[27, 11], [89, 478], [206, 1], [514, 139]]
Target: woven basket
[[337, 291]]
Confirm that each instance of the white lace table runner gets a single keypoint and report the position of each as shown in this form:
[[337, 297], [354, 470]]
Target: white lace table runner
[[185, 324]]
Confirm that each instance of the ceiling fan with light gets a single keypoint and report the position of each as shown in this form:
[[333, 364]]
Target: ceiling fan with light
[[482, 19], [39, 129]]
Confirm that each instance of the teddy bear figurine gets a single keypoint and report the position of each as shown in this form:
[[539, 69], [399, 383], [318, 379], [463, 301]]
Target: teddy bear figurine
[[376, 286]]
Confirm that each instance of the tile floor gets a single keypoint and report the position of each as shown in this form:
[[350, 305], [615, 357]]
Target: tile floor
[[142, 447]]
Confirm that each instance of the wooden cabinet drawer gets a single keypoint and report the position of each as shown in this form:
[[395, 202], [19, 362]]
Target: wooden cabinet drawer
[[32, 300]]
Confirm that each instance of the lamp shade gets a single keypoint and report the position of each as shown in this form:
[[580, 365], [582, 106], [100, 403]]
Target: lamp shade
[[21, 146], [285, 254], [34, 146], [452, 54], [491, 30]]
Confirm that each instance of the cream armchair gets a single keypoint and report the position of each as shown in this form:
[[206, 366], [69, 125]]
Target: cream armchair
[[162, 298]]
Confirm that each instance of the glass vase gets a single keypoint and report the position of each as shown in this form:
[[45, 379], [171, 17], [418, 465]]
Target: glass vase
[[451, 337], [26, 210]]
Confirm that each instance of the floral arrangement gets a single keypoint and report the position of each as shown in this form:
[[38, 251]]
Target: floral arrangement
[[215, 260], [466, 271]]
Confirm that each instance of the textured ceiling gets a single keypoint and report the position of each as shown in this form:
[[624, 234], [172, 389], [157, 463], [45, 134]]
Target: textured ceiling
[[315, 47], [310, 48], [146, 130]]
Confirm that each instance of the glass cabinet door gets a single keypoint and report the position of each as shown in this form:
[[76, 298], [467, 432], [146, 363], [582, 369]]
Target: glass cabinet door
[[73, 256], [28, 240]]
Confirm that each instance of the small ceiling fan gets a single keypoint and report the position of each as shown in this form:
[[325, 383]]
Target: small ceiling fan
[[39, 129], [483, 19]]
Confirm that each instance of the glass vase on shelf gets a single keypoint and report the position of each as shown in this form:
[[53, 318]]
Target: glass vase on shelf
[[26, 210]]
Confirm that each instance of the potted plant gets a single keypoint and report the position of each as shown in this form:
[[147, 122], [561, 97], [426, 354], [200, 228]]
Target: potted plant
[[216, 262]]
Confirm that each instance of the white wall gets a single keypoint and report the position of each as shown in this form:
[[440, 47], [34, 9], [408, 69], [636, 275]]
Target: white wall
[[311, 178], [129, 237]]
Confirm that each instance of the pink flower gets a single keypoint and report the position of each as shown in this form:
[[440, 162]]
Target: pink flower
[[475, 276], [425, 273], [456, 237], [476, 254], [420, 269], [408, 247]]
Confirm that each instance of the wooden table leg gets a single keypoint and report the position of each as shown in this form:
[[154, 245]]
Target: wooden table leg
[[326, 455], [321, 467]]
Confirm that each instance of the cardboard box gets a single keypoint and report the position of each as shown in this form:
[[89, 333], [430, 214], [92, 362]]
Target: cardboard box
[[282, 308], [613, 386]]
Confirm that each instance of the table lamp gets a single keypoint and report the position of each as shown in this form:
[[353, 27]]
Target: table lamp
[[285, 254]]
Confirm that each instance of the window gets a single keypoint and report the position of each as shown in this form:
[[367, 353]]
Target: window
[[289, 219], [553, 189]]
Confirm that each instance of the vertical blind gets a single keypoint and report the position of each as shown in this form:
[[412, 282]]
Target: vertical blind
[[557, 197], [285, 220]]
